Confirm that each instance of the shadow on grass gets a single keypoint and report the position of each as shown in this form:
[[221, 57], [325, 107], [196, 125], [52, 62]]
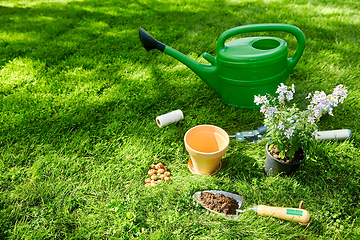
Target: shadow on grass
[[241, 164], [92, 36]]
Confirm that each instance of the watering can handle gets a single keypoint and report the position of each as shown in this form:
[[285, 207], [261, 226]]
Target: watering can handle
[[268, 27]]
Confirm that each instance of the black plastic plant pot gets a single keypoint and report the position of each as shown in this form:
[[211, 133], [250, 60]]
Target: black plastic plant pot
[[274, 166]]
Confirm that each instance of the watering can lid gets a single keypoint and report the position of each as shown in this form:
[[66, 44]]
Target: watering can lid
[[253, 49]]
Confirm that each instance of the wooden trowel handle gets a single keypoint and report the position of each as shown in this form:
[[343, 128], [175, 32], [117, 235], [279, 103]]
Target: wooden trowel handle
[[289, 214]]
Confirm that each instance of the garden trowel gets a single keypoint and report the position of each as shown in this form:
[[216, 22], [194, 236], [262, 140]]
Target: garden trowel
[[290, 214]]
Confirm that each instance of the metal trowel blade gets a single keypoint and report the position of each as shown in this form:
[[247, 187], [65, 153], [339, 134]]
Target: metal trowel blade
[[238, 198]]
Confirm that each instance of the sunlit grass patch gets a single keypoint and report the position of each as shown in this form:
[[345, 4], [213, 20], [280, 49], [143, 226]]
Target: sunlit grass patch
[[30, 3]]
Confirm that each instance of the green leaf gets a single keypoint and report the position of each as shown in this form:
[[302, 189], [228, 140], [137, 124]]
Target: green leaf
[[271, 146], [282, 154]]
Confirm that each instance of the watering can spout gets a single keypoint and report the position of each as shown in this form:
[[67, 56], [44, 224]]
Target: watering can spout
[[204, 71], [149, 42]]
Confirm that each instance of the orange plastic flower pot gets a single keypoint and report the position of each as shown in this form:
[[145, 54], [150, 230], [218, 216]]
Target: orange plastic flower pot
[[206, 145]]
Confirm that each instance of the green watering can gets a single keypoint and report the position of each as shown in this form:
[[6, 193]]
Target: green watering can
[[244, 67]]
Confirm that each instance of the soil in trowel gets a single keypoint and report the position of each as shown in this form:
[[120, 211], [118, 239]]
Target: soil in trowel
[[219, 203]]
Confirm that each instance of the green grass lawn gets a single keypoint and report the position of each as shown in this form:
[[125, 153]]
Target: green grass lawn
[[78, 100]]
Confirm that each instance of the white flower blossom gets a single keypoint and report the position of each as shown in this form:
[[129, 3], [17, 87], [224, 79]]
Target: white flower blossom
[[281, 97], [281, 125], [260, 100], [257, 100], [311, 119], [270, 111], [281, 88], [288, 133], [262, 108], [289, 96]]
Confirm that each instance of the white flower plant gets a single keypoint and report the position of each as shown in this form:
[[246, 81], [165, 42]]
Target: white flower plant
[[290, 128]]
